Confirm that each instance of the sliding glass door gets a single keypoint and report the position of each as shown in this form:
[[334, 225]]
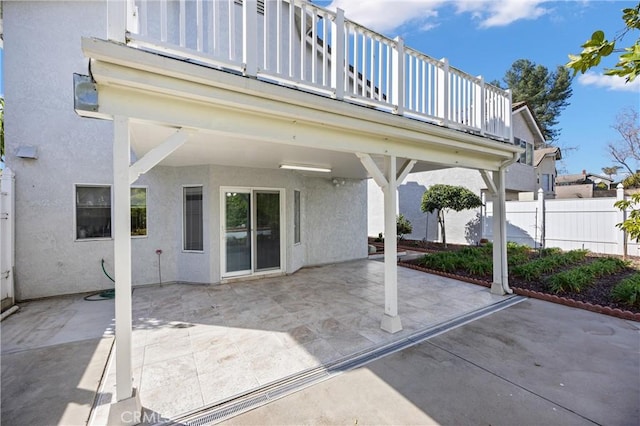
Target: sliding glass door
[[252, 228]]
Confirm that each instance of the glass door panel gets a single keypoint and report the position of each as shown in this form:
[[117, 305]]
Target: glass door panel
[[238, 231], [267, 218]]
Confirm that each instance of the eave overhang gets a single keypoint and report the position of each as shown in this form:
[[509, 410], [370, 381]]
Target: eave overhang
[[164, 91]]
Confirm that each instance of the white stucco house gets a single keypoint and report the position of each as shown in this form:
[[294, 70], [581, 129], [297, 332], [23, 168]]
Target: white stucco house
[[534, 169], [221, 140]]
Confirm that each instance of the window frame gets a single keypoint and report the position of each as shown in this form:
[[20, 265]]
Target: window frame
[[184, 218], [146, 210], [297, 217], [75, 211]]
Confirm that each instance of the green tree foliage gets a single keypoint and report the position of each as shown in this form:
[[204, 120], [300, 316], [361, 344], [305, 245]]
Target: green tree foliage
[[610, 171], [448, 197], [598, 47], [403, 226], [632, 225], [547, 93]]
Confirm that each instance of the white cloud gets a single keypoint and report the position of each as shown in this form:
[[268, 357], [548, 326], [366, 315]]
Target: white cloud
[[503, 12], [388, 15], [609, 82]]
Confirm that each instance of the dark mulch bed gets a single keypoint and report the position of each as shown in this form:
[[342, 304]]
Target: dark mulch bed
[[597, 294]]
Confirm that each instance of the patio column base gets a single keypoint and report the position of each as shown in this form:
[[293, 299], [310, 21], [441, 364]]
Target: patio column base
[[496, 288], [391, 324], [126, 412]]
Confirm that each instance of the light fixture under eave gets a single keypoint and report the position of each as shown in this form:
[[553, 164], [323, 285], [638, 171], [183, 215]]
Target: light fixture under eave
[[305, 168]]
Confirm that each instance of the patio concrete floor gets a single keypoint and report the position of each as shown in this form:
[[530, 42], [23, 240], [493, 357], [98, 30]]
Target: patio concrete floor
[[195, 345]]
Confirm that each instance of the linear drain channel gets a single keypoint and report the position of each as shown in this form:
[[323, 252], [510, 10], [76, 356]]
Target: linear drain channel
[[265, 394]]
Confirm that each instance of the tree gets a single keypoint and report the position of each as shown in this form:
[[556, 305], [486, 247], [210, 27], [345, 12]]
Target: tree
[[545, 92], [626, 151], [610, 171], [443, 198], [632, 225], [598, 47], [403, 226]]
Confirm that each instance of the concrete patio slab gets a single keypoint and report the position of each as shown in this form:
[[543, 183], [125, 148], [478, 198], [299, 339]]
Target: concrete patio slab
[[534, 363], [195, 345], [54, 353]]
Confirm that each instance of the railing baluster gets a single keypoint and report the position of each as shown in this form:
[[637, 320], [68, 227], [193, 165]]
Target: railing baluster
[[143, 18], [292, 7], [373, 68], [163, 21], [183, 23], [303, 39], [314, 46], [265, 35], [232, 29], [338, 62], [325, 48], [200, 29], [364, 65]]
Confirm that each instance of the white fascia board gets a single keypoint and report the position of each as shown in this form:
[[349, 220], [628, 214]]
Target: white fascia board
[[155, 77]]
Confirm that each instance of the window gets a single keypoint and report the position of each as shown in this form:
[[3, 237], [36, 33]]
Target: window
[[93, 212], [296, 217], [192, 199], [547, 182], [138, 212], [527, 156]]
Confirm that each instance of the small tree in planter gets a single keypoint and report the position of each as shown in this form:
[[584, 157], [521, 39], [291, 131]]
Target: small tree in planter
[[448, 197], [403, 226]]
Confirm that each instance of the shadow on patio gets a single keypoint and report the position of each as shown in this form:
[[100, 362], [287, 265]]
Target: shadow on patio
[[196, 345]]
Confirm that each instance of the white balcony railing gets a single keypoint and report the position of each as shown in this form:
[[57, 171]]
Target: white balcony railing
[[296, 43]]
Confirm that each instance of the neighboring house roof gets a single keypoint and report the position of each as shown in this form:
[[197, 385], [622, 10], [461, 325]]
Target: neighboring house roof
[[531, 120], [581, 178], [542, 153]]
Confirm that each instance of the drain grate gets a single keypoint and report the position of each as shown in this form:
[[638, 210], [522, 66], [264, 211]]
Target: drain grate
[[264, 394]]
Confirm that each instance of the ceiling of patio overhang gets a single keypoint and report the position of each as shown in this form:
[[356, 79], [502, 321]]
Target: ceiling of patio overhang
[[203, 148]]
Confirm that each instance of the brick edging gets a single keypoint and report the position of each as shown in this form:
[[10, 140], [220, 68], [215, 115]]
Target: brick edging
[[606, 310]]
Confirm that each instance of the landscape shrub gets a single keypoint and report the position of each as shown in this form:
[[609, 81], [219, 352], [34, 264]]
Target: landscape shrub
[[577, 279], [628, 291]]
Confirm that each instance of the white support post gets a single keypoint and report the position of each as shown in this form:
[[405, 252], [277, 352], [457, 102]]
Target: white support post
[[126, 397], [442, 97], [500, 284], [338, 62], [250, 37], [397, 94], [390, 320], [621, 236], [541, 217], [117, 20]]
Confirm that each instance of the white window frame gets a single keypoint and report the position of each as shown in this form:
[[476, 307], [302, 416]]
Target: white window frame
[[75, 210], [184, 217], [297, 217], [146, 205]]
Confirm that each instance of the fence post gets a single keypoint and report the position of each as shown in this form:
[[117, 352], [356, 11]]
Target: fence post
[[338, 61], [397, 98], [7, 234], [621, 237], [541, 216]]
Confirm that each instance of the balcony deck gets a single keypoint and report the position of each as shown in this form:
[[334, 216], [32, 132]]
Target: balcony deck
[[304, 46]]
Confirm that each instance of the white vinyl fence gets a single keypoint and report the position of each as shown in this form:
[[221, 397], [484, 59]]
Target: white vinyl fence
[[582, 223], [7, 220]]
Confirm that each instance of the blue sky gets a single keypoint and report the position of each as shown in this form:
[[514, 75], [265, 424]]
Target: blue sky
[[484, 37]]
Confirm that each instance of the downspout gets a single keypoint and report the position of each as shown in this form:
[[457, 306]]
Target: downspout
[[503, 166]]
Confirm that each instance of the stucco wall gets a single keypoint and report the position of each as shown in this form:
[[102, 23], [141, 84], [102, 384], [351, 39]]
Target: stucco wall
[[335, 221], [38, 68]]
